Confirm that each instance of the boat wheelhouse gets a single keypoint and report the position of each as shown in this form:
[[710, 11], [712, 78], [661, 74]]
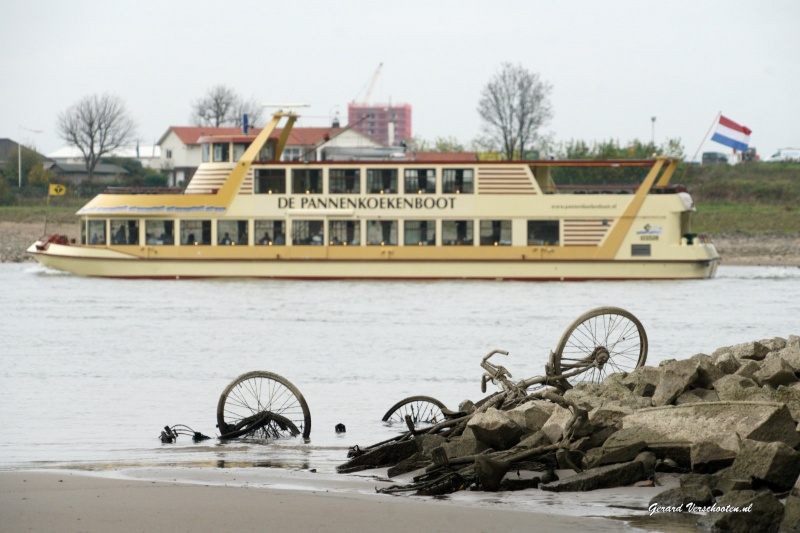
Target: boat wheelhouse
[[247, 214]]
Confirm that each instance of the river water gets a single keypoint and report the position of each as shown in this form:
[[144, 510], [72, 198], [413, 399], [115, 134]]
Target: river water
[[92, 369]]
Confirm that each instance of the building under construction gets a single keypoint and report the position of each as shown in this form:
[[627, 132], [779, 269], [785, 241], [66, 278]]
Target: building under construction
[[386, 123]]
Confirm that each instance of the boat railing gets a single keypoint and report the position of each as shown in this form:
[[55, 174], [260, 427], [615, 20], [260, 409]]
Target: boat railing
[[616, 189], [143, 190]]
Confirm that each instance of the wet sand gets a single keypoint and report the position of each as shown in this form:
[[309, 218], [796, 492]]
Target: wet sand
[[73, 501], [735, 249]]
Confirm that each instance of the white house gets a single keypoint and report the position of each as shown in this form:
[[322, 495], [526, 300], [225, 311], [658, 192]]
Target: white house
[[182, 152], [149, 155]]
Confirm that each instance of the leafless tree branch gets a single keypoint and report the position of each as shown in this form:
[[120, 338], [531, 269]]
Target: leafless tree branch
[[96, 125], [515, 105]]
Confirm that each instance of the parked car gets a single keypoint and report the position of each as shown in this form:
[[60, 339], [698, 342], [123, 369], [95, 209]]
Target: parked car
[[784, 154]]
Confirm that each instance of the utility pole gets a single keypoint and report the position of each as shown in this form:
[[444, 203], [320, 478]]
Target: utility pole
[[19, 153], [653, 136]]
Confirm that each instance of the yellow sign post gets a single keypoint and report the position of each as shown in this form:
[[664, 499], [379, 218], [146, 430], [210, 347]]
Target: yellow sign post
[[56, 189]]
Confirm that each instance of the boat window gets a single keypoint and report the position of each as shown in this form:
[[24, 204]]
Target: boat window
[[238, 150], [232, 232], [124, 232], [382, 180], [206, 153], [306, 181], [83, 231], [419, 232], [291, 154], [308, 232], [420, 181], [640, 250], [495, 232], [543, 232], [195, 232], [382, 232], [344, 232], [457, 232], [267, 152], [222, 152], [344, 181], [271, 181], [97, 231], [270, 232], [159, 232], [458, 181]]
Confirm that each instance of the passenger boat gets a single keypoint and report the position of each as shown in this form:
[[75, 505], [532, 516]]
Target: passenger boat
[[247, 214]]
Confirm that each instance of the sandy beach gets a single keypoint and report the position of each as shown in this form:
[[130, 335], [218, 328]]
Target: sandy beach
[[735, 249], [69, 501]]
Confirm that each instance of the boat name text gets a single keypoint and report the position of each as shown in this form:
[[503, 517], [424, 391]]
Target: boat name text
[[384, 202]]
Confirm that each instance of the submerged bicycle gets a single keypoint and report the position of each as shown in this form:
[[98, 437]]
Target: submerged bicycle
[[603, 341], [262, 405]]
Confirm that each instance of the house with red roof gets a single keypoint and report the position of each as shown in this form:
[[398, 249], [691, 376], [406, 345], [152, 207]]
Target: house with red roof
[[181, 149]]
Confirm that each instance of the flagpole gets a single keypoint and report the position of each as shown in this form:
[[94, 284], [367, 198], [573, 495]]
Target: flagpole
[[47, 209], [700, 147]]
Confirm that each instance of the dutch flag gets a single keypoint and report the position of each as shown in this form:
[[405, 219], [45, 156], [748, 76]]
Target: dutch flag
[[732, 134]]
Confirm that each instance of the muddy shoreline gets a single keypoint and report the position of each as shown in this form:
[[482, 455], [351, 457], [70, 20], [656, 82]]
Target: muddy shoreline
[[735, 249]]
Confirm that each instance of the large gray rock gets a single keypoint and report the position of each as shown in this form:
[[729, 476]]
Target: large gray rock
[[682, 496], [734, 388], [793, 340], [614, 388], [586, 395], [496, 428], [775, 371], [791, 354], [616, 475], [697, 395], [746, 350], [677, 376], [643, 380], [791, 515], [610, 414], [748, 369], [715, 421], [618, 454], [774, 344], [708, 456], [428, 442], [757, 511], [555, 425], [465, 445], [726, 362], [772, 463], [531, 416], [791, 397], [707, 371]]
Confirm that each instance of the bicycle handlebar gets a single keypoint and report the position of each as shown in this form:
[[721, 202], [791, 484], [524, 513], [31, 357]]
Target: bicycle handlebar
[[494, 352]]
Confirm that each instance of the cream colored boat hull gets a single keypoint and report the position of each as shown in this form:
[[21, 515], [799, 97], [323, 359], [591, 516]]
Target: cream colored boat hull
[[87, 261]]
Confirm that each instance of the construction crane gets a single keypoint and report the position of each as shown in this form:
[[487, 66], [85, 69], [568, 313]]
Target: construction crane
[[371, 86]]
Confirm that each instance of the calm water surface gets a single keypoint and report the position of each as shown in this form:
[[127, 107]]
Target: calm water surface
[[92, 369]]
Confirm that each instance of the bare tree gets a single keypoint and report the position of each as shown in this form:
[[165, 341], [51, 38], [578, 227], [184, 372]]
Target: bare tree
[[96, 125], [515, 105], [221, 106]]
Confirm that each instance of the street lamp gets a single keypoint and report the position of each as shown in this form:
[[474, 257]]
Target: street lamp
[[653, 137]]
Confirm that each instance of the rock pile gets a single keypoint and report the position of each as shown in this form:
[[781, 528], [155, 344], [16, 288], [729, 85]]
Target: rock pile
[[727, 421]]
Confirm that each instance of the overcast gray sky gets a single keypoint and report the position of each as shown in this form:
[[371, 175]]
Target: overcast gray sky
[[613, 64]]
